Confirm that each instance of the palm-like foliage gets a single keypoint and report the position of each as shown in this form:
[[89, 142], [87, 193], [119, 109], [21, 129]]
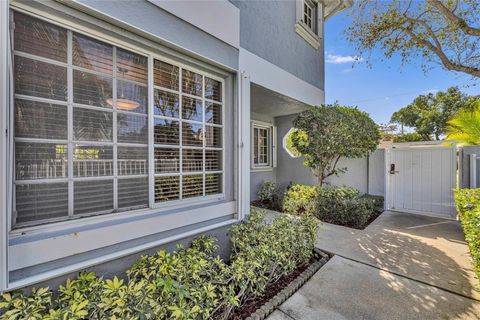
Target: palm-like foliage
[[465, 127]]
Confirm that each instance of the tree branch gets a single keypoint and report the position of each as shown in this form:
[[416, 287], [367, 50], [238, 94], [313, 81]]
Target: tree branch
[[454, 19], [447, 63]]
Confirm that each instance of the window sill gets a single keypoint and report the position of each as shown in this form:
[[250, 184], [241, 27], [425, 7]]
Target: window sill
[[33, 249], [307, 34], [261, 169]]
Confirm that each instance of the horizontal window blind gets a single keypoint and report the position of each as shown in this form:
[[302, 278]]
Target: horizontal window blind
[[82, 127]]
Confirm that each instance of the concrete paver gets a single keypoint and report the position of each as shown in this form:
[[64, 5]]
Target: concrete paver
[[430, 250], [344, 289], [402, 266]]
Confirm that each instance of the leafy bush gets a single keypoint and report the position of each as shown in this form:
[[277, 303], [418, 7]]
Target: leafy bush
[[343, 206], [269, 195], [378, 201], [262, 253], [300, 199], [468, 207], [191, 283]]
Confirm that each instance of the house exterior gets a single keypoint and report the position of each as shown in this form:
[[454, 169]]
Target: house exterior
[[129, 126]]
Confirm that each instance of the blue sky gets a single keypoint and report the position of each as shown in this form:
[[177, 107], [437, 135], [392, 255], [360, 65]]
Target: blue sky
[[386, 86]]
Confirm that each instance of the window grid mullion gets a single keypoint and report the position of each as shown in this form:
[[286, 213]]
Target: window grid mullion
[[70, 145], [114, 129], [180, 128], [204, 142], [151, 133]]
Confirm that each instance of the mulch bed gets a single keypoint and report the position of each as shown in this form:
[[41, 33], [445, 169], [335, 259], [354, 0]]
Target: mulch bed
[[271, 291], [374, 216], [264, 205], [267, 205]]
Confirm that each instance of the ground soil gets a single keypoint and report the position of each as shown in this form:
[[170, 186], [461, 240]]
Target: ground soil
[[251, 306]]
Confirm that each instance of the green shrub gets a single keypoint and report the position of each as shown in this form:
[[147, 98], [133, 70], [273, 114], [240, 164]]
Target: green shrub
[[467, 202], [343, 206], [269, 195], [300, 199], [378, 201], [191, 283], [262, 253]]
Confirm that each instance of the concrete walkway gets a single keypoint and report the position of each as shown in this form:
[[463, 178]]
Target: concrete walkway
[[402, 266]]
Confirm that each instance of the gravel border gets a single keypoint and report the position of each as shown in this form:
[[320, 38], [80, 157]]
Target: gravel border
[[268, 307]]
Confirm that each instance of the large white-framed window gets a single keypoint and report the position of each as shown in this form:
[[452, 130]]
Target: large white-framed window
[[86, 127], [263, 146], [309, 21]]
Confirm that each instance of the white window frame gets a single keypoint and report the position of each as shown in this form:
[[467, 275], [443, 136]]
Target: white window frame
[[311, 34], [180, 146], [271, 146], [55, 224]]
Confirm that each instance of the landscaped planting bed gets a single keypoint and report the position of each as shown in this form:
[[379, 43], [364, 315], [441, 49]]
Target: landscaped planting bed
[[337, 205], [191, 283]]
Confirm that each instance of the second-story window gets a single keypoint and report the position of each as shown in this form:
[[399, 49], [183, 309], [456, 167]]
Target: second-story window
[[309, 21], [309, 10]]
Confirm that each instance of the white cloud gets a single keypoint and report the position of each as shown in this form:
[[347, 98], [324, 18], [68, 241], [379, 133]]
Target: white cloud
[[332, 58]]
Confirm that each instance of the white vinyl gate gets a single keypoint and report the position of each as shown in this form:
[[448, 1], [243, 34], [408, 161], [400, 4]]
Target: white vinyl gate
[[421, 178]]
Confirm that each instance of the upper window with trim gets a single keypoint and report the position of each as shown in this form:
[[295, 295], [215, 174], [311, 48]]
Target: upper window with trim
[[263, 153], [82, 127], [308, 24], [310, 15]]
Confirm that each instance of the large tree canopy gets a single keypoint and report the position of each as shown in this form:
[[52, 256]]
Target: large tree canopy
[[428, 114], [442, 31], [327, 133]]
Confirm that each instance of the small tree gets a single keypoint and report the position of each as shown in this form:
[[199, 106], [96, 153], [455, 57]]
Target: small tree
[[327, 133]]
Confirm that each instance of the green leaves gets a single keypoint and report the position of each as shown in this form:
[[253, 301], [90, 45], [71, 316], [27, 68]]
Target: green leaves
[[191, 283], [300, 199], [467, 202], [326, 133], [429, 114], [338, 205], [263, 253], [344, 206], [419, 29], [465, 127]]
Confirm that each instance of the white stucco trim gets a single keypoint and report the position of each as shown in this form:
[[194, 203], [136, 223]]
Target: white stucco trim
[[272, 77], [307, 34], [30, 253], [4, 102], [219, 18], [244, 143]]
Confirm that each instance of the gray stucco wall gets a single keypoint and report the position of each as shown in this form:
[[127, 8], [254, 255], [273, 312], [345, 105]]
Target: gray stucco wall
[[376, 173], [267, 29], [464, 166], [290, 169], [356, 175], [166, 28], [364, 174]]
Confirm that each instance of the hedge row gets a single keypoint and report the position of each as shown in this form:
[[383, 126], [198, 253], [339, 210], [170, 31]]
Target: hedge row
[[468, 208], [191, 283]]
